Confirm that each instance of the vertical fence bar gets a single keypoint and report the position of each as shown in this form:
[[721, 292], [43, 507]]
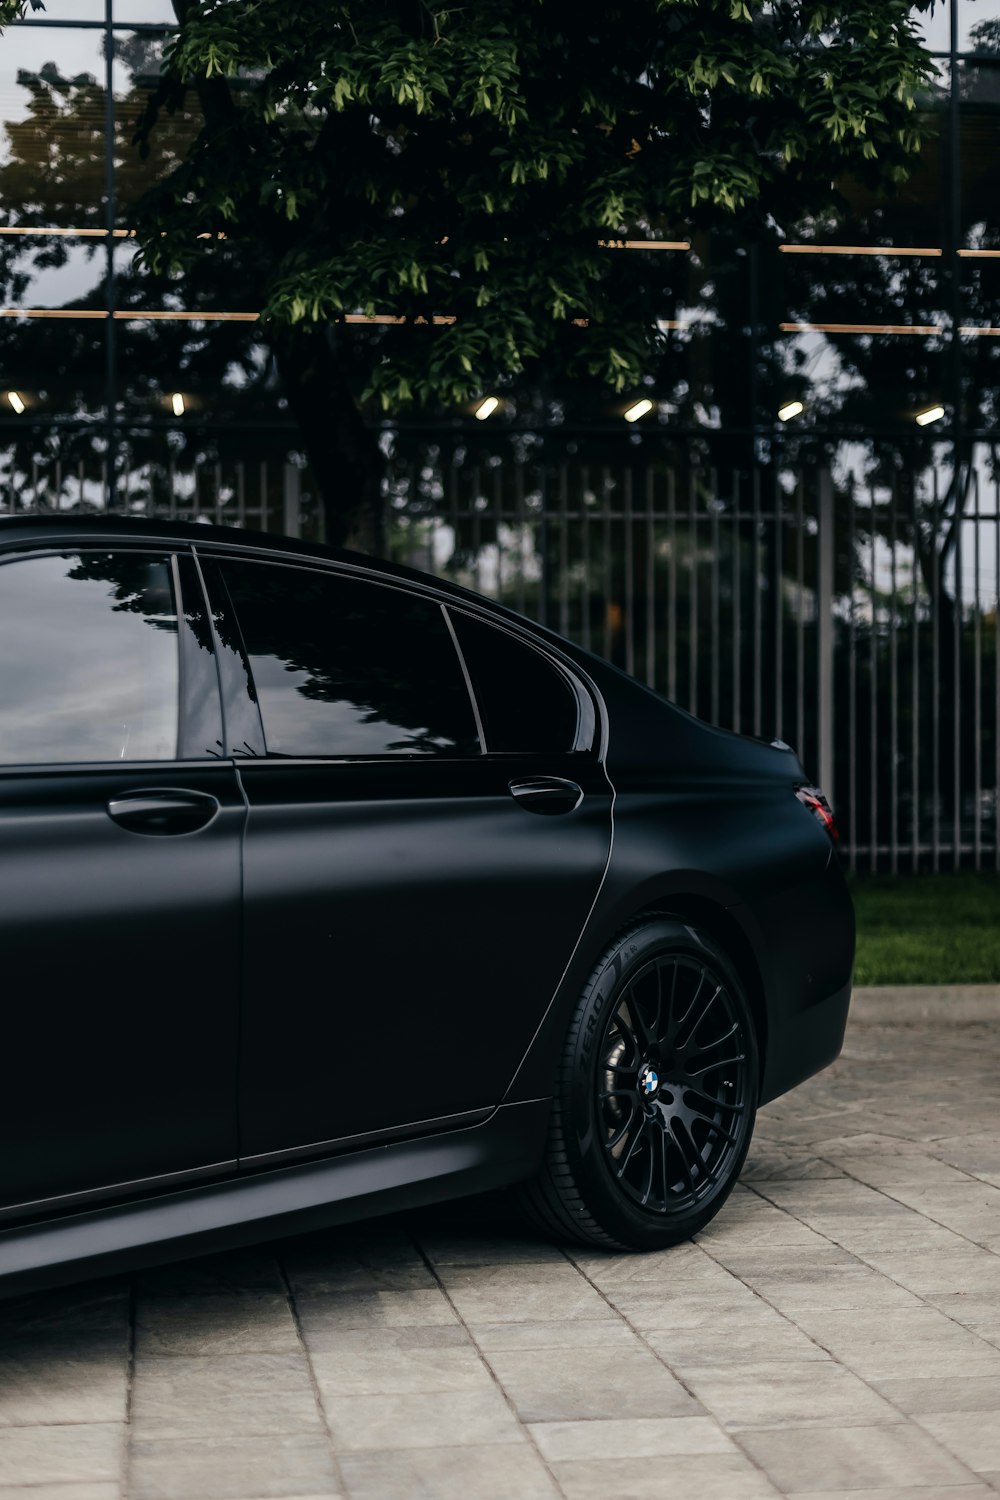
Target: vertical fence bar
[[292, 501], [852, 678], [976, 681], [650, 579], [915, 684], [936, 716], [522, 527], [585, 529], [495, 513], [996, 675], [607, 580], [757, 605], [873, 686], [737, 606], [776, 584], [563, 550], [977, 684], [800, 589], [824, 641], [672, 610], [629, 555], [716, 566], [935, 683], [451, 491], [543, 548], [893, 689], [692, 595], [477, 525], [956, 668]]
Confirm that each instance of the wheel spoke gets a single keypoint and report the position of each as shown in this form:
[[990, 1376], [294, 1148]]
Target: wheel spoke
[[657, 1028], [617, 1094], [629, 1069], [672, 1022], [639, 1027], [626, 1030], [717, 1041], [690, 1146], [663, 1168], [622, 1131], [710, 1099], [682, 1023], [651, 1131], [725, 1062], [631, 1150], [685, 1164], [716, 1128], [690, 1032]]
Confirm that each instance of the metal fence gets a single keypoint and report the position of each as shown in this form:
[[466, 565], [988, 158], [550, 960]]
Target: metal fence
[[858, 622]]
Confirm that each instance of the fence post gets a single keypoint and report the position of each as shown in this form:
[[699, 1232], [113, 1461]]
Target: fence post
[[824, 632], [292, 516]]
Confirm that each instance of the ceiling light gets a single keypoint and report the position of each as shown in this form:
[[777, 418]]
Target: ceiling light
[[14, 397], [789, 409], [177, 403], [932, 414], [487, 408], [638, 410]]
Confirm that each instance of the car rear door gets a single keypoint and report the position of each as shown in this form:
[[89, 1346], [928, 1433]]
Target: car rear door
[[407, 916], [120, 828]]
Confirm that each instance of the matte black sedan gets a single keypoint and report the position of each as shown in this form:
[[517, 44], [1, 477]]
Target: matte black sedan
[[327, 889]]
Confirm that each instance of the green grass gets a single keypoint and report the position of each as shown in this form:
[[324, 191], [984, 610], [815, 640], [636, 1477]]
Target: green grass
[[927, 929]]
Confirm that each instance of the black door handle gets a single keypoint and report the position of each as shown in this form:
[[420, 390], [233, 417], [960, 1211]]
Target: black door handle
[[163, 812], [547, 794]]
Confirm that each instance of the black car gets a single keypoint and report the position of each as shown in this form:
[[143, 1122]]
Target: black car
[[327, 888]]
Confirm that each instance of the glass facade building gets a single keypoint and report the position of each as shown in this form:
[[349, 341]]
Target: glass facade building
[[855, 330]]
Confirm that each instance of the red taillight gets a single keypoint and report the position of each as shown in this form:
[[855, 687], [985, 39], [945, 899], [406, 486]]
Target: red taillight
[[812, 798]]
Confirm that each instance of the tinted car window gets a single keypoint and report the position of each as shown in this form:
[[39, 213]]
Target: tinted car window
[[346, 667], [89, 670], [525, 703]]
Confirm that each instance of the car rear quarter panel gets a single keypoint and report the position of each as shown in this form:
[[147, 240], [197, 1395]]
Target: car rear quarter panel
[[706, 825]]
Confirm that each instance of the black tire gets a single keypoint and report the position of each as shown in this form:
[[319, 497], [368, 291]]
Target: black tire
[[639, 1155]]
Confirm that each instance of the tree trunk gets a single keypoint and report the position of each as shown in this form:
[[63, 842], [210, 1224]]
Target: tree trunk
[[342, 451]]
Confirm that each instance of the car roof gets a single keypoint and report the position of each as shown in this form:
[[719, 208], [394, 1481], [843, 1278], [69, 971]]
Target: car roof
[[70, 527], [20, 531], [602, 675]]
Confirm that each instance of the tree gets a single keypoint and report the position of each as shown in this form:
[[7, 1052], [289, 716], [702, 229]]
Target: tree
[[467, 171]]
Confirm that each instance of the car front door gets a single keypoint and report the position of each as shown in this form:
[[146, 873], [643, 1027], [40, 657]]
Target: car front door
[[407, 917], [119, 878]]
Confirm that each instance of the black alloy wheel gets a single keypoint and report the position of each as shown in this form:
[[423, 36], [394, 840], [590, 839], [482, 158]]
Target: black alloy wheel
[[657, 1093]]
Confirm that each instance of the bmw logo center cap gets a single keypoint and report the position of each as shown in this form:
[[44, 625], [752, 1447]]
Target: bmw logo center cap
[[649, 1081]]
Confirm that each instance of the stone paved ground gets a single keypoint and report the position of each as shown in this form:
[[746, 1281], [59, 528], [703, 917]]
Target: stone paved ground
[[835, 1333]]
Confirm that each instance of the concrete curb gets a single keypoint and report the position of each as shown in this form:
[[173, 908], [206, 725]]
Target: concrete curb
[[946, 1003]]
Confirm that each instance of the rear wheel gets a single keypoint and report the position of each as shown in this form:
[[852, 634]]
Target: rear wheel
[[656, 1094]]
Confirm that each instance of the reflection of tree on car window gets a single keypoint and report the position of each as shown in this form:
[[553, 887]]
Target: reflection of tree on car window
[[383, 654], [143, 586]]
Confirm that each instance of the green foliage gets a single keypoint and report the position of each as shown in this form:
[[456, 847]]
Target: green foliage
[[416, 162], [13, 10]]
